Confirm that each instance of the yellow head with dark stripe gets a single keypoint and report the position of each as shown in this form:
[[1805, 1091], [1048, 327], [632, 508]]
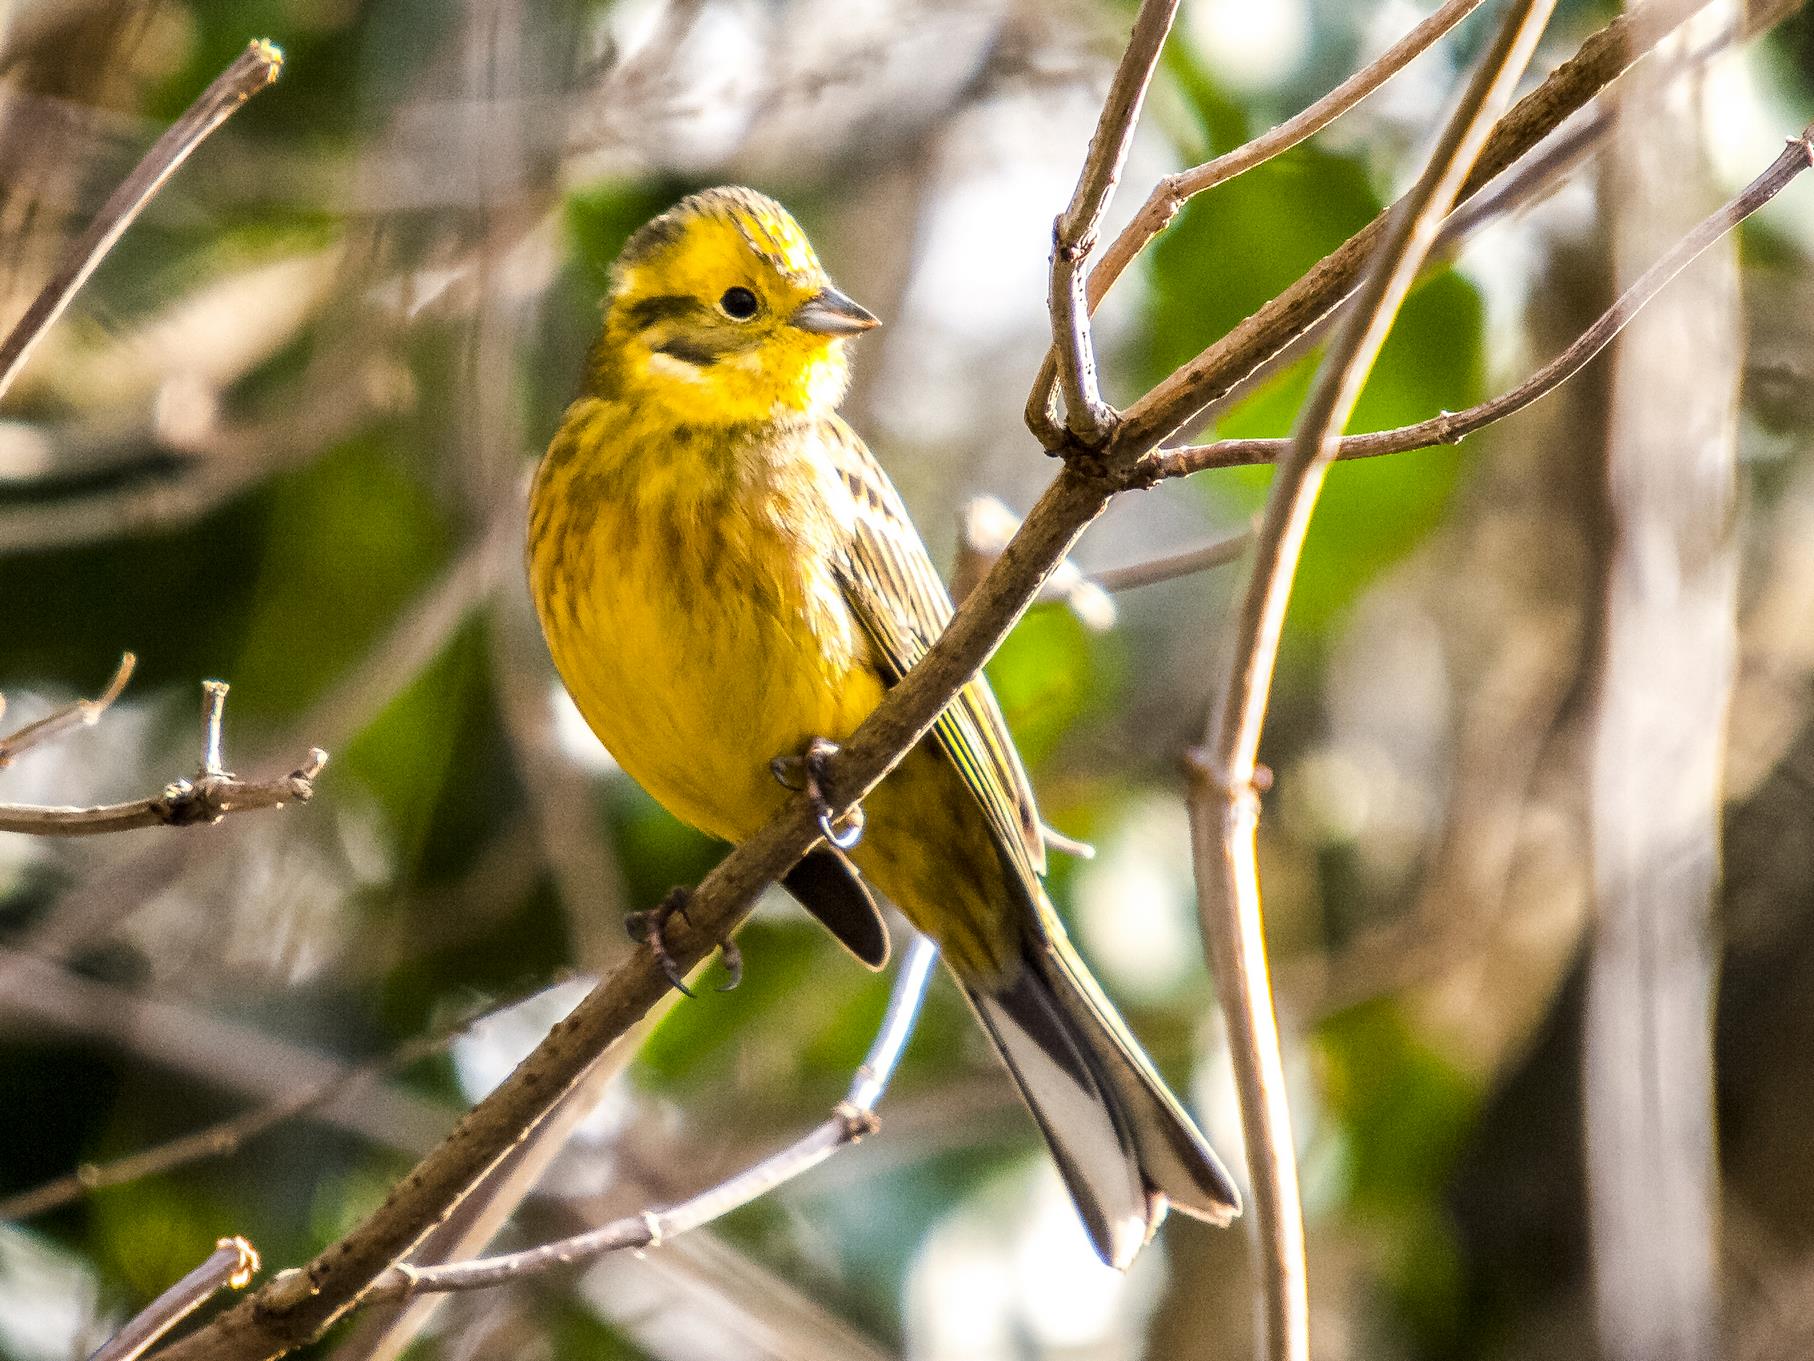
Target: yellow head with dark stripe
[[721, 314]]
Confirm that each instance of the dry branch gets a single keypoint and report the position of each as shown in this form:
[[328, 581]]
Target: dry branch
[[1087, 418], [205, 800], [254, 69], [853, 1119], [1603, 58], [1451, 427], [1171, 193], [1224, 803]]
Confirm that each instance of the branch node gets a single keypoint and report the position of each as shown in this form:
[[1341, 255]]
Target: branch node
[[651, 1223], [859, 1121], [1205, 773]]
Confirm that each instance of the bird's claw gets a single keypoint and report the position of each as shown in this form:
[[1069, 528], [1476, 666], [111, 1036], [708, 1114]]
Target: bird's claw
[[650, 928], [807, 772], [733, 965]]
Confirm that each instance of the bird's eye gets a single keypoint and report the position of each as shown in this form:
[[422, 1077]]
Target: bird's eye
[[739, 304]]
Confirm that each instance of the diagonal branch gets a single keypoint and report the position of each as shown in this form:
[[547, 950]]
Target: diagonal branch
[[1171, 193], [1451, 427], [1180, 397], [250, 72], [1224, 803], [226, 1137], [83, 713], [853, 1119], [1087, 417]]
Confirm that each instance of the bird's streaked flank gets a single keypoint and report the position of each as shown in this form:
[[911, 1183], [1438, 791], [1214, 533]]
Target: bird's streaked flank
[[728, 580]]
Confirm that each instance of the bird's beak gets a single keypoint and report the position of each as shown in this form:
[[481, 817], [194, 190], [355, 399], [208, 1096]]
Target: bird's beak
[[830, 313]]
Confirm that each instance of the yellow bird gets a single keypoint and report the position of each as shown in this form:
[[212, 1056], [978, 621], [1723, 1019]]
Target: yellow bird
[[725, 576]]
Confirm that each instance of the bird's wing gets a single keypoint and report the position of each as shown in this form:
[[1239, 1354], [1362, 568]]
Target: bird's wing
[[895, 591]]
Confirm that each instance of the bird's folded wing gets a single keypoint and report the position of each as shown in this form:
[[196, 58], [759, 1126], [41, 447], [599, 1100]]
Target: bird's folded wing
[[895, 591]]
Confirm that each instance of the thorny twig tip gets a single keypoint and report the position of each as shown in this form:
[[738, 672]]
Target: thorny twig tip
[[270, 54], [248, 1261]]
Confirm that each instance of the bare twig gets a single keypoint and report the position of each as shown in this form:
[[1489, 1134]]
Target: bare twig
[[1224, 803], [83, 713], [250, 72], [209, 797], [1453, 426], [233, 1263], [986, 525], [1602, 59], [1218, 553], [853, 1119], [1171, 193], [228, 1136], [1087, 417]]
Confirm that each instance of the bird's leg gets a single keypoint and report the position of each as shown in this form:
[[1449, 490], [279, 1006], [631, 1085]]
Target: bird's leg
[[651, 928], [807, 771]]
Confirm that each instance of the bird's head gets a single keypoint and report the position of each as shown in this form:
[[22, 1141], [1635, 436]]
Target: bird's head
[[720, 312]]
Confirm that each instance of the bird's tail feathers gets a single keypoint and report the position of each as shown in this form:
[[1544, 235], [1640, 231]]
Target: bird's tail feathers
[[1124, 1146]]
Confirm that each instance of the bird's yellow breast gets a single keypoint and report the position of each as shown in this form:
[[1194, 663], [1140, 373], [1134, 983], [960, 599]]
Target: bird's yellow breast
[[688, 597]]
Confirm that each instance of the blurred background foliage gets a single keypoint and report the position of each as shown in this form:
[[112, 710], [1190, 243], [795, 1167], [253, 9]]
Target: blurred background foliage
[[280, 439]]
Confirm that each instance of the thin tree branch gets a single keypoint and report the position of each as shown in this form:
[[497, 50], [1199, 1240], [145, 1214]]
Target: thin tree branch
[[205, 800], [1224, 803], [1453, 426], [233, 1263], [986, 525], [1171, 566], [1087, 417], [1170, 194], [82, 713], [1180, 397], [250, 72], [853, 1119], [226, 1137], [1532, 177]]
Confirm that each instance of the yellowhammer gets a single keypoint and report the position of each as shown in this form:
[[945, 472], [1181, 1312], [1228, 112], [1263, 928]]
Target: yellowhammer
[[725, 576]]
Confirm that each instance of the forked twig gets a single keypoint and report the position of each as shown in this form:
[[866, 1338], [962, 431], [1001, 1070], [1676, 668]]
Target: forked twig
[[81, 713], [1171, 193], [853, 1119], [1087, 417], [1224, 803], [250, 72], [1451, 427], [209, 797], [1215, 371]]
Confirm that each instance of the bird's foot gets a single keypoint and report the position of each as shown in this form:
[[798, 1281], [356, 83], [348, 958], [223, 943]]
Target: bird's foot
[[651, 928], [807, 772]]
